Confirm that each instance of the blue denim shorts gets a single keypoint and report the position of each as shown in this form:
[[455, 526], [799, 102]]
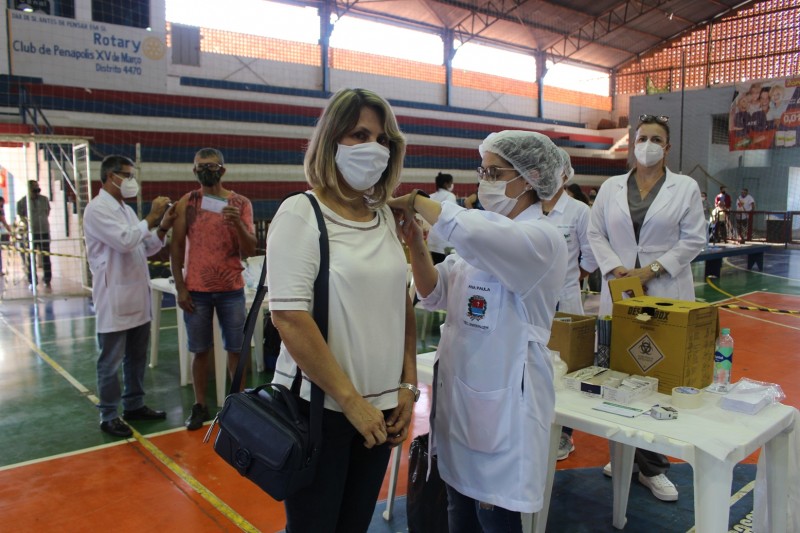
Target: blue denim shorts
[[230, 313]]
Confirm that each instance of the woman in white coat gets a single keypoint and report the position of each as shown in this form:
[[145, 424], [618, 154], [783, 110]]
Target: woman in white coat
[[649, 223], [494, 397]]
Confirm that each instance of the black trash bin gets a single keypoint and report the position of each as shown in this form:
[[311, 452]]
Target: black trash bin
[[776, 231]]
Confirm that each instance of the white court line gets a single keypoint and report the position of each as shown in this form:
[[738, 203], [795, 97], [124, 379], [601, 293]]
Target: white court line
[[156, 452], [727, 262], [66, 454], [92, 449], [761, 319]]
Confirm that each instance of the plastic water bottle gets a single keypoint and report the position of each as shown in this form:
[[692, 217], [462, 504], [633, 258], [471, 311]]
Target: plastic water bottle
[[723, 361]]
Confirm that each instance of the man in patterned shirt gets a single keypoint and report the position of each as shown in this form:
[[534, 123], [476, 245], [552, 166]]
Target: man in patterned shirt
[[213, 232]]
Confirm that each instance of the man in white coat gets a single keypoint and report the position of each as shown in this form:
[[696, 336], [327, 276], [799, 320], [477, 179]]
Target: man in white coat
[[117, 247], [649, 224]]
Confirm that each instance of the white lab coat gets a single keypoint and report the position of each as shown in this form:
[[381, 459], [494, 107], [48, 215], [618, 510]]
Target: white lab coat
[[571, 217], [117, 247], [435, 242], [673, 233], [494, 391]]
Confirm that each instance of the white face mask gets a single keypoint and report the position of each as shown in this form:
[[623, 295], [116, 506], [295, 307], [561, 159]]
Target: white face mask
[[492, 196], [362, 165], [129, 187], [648, 153], [450, 188]]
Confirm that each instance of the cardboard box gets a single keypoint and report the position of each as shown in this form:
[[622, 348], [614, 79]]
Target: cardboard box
[[671, 340], [573, 337], [591, 379]]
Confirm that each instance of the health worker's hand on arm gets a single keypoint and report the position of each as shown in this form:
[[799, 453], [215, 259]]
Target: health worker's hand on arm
[[425, 275]]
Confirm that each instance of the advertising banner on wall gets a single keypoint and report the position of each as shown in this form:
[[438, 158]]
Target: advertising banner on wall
[[86, 54], [765, 114]]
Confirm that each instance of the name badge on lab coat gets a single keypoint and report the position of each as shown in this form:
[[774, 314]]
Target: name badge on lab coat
[[482, 305], [567, 230]]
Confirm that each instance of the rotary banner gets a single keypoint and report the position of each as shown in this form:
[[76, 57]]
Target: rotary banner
[[765, 114]]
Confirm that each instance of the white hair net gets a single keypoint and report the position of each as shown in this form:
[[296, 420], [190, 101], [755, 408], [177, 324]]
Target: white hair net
[[532, 154], [565, 160]]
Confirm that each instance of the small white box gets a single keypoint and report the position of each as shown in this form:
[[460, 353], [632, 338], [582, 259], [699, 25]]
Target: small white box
[[632, 388], [590, 379]]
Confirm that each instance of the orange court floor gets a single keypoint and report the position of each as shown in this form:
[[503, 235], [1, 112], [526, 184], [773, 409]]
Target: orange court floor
[[59, 472]]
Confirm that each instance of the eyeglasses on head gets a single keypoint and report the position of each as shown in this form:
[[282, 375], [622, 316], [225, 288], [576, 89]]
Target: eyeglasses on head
[[646, 119]]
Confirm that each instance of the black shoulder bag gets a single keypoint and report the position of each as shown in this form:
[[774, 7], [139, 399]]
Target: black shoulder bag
[[262, 433]]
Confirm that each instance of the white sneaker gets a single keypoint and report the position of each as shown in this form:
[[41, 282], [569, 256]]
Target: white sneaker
[[565, 447], [607, 469], [661, 487]]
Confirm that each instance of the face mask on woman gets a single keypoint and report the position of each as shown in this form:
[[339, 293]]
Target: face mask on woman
[[492, 196], [129, 187], [362, 165], [648, 153]]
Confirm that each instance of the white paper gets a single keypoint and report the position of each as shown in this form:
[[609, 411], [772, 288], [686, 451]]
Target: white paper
[[745, 401], [618, 409], [213, 203]]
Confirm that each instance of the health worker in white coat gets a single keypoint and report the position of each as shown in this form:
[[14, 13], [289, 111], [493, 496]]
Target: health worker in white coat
[[571, 217], [649, 223], [117, 247], [493, 393]]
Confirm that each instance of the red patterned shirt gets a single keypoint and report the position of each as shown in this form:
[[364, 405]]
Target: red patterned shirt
[[213, 254]]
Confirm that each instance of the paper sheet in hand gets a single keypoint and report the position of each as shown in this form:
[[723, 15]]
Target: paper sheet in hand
[[213, 203]]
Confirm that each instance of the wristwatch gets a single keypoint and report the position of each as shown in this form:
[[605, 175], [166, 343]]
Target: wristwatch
[[413, 196], [655, 268], [413, 389]]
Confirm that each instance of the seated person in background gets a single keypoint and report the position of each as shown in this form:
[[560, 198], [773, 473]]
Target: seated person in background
[[472, 201]]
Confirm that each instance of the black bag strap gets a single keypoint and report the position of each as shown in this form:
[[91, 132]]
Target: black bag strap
[[320, 313]]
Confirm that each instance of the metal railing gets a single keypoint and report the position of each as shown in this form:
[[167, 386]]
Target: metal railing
[[777, 227]]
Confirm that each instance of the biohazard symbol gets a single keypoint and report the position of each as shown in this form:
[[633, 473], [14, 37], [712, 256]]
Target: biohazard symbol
[[646, 353]]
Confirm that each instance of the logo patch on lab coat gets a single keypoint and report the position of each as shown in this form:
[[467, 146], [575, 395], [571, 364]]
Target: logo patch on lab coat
[[482, 304], [476, 307]]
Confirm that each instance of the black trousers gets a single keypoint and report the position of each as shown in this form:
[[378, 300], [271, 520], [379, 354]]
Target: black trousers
[[651, 463], [349, 477], [41, 243]]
